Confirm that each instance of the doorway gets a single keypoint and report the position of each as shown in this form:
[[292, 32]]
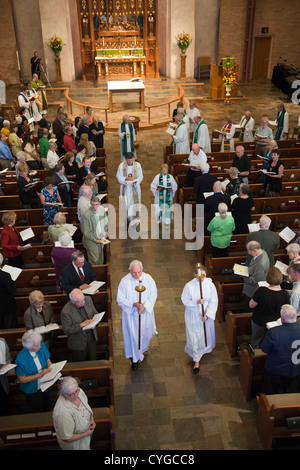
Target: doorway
[[261, 57]]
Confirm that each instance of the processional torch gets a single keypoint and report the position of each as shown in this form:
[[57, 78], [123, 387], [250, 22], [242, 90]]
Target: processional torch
[[200, 276], [140, 288]]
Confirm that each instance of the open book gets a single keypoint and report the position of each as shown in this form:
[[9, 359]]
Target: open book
[[6, 368], [131, 182], [27, 233], [47, 328], [71, 244], [31, 184], [287, 234], [96, 319], [264, 158], [72, 229], [50, 378], [240, 269], [66, 182], [282, 267], [94, 286], [105, 241], [170, 131], [14, 272], [261, 136], [253, 227], [3, 171], [271, 324]]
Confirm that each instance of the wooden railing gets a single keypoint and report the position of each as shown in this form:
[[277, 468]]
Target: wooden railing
[[71, 102]]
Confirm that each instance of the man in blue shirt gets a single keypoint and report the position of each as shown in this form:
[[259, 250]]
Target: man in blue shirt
[[5, 154]]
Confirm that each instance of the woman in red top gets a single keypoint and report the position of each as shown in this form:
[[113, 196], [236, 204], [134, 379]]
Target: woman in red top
[[11, 241]]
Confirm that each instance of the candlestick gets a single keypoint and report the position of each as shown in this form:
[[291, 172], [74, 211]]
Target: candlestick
[[139, 288]]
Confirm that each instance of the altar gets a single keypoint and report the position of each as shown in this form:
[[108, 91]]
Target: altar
[[126, 86]]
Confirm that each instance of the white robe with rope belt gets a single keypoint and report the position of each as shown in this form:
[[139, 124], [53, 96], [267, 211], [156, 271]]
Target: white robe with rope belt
[[126, 296], [195, 341]]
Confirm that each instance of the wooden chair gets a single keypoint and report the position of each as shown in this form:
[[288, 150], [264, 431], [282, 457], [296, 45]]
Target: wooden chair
[[203, 67], [278, 417]]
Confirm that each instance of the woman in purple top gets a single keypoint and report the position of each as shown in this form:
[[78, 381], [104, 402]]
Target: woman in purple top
[[61, 256]]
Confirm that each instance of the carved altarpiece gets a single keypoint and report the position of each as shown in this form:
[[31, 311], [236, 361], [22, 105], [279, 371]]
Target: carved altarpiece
[[118, 39]]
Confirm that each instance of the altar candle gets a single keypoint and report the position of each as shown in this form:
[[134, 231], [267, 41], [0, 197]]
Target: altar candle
[[135, 40], [103, 41], [198, 269], [140, 280]]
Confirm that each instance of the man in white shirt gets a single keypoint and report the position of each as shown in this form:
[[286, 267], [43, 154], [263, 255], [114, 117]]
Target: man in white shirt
[[130, 176], [246, 124], [138, 320], [196, 158]]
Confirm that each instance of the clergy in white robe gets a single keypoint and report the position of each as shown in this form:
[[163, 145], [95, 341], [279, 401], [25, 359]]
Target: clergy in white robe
[[127, 137], [201, 135], [33, 98], [180, 140], [163, 188], [181, 112], [191, 113], [194, 320], [227, 134], [246, 124], [130, 176], [128, 299]]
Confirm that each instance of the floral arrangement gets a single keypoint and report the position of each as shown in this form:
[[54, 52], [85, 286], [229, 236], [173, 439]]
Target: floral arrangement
[[229, 77], [56, 44], [183, 40]]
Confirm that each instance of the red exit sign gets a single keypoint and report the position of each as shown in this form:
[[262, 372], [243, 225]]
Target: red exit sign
[[265, 30]]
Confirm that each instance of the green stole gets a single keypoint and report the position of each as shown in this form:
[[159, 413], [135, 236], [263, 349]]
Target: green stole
[[195, 139], [124, 140], [279, 120], [243, 130], [173, 142], [135, 175], [167, 202]]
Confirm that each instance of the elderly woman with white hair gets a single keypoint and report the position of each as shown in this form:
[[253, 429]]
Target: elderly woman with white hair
[[61, 256], [137, 311], [39, 313], [73, 417], [293, 251], [221, 228], [235, 181], [33, 362]]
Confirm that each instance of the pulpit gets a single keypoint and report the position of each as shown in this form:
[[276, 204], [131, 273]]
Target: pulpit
[[216, 84]]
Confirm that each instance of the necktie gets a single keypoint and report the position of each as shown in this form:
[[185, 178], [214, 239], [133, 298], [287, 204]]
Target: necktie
[[81, 275]]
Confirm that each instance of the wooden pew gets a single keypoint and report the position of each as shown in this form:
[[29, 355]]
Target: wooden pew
[[230, 298], [275, 414], [251, 370], [30, 217], [36, 430], [221, 269], [44, 279], [238, 330], [102, 300]]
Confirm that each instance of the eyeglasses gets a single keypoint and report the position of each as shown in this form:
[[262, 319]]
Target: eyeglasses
[[73, 394]]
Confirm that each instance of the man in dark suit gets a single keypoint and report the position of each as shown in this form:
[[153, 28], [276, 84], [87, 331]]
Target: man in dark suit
[[8, 306], [282, 348], [211, 204], [78, 274], [65, 190], [90, 166], [204, 183], [269, 241], [58, 126], [75, 315], [85, 129]]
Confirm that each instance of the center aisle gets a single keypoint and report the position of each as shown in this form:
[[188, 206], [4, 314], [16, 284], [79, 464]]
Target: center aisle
[[163, 405]]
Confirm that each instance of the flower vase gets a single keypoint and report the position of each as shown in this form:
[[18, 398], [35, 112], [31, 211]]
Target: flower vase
[[228, 91]]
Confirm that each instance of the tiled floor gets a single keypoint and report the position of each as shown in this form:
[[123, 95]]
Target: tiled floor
[[162, 405]]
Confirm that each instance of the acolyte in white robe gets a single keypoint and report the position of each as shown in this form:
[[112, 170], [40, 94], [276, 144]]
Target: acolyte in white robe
[[229, 136], [128, 141], [191, 114], [155, 192], [203, 138], [195, 341], [127, 195], [181, 139], [248, 131], [126, 296]]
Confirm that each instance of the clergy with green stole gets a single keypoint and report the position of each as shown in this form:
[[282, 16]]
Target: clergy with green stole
[[163, 188], [282, 121], [127, 137], [201, 135], [180, 140], [40, 88]]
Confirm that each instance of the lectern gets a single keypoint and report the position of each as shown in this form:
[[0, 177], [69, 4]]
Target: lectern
[[216, 84]]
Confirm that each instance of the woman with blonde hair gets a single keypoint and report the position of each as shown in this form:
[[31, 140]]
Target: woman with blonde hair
[[89, 145]]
